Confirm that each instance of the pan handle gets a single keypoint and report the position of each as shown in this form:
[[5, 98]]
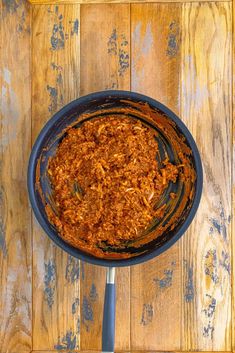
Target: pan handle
[[108, 330]]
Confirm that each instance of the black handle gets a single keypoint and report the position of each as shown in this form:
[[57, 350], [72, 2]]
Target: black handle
[[108, 330]]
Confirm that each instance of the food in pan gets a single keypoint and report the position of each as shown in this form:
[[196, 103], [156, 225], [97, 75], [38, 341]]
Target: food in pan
[[107, 183]]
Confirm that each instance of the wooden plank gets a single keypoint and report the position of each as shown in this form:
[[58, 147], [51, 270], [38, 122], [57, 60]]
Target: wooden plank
[[141, 351], [15, 216], [233, 185], [55, 82], [206, 108], [114, 1], [156, 285], [104, 64]]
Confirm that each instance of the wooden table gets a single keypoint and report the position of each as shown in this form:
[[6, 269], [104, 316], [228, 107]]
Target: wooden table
[[179, 53]]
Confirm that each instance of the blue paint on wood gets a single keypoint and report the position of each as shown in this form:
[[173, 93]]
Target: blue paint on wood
[[78, 325], [112, 43], [3, 245], [53, 93], [72, 272], [123, 60], [173, 40], [224, 262], [57, 39], [166, 280], [87, 313], [123, 56], [75, 306], [59, 79], [189, 286], [211, 265], [21, 26], [209, 311], [11, 6], [219, 224], [93, 292], [208, 331], [147, 314], [69, 341], [117, 45], [49, 282], [75, 27], [56, 67]]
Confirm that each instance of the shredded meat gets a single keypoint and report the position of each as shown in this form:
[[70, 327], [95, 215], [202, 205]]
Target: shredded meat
[[106, 181]]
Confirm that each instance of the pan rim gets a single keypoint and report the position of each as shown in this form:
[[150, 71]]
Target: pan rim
[[77, 252]]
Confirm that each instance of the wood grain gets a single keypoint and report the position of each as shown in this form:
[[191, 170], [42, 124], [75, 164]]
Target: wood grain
[[114, 1], [233, 183], [141, 351], [206, 109], [55, 82], [105, 52], [180, 54], [15, 215], [156, 285]]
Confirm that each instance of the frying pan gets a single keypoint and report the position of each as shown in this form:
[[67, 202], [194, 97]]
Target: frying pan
[[39, 188]]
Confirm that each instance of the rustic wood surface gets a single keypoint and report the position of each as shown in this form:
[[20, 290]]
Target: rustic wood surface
[[15, 146], [55, 82], [105, 56], [113, 1], [179, 54]]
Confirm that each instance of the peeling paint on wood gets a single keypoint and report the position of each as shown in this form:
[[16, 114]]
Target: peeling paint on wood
[[224, 262], [93, 292], [55, 90], [189, 285], [87, 313], [166, 280], [209, 312], [57, 39], [11, 6], [21, 25], [75, 305], [173, 39], [219, 225], [55, 82], [3, 219], [53, 93], [69, 341], [117, 45], [211, 265], [147, 314], [75, 27], [72, 273], [49, 282]]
